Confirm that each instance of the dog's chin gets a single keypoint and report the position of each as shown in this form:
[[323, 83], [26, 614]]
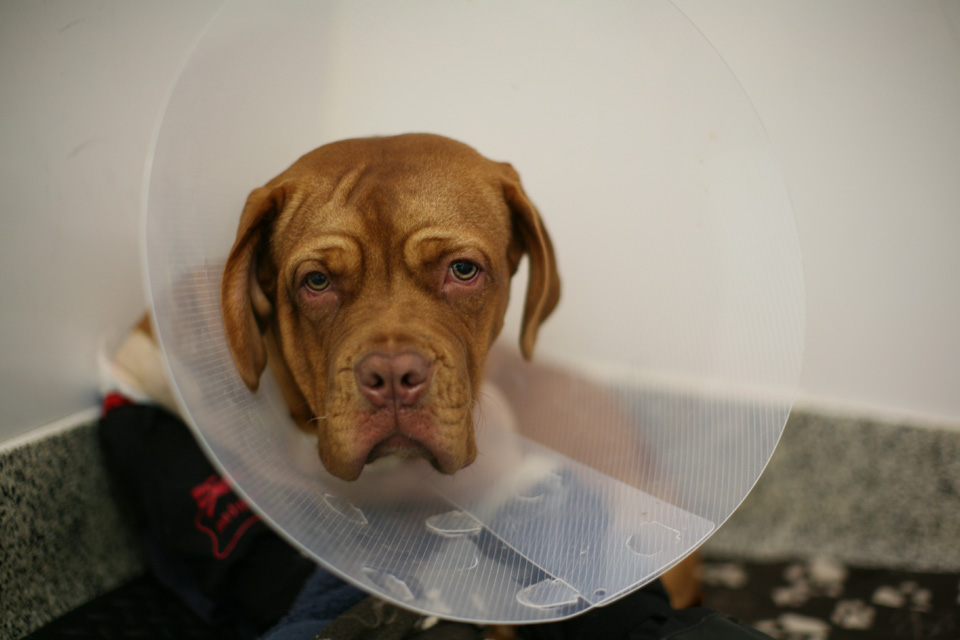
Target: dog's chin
[[393, 449], [349, 462], [400, 446]]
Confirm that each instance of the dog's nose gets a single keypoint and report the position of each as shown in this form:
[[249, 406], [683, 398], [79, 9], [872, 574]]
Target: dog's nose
[[385, 379]]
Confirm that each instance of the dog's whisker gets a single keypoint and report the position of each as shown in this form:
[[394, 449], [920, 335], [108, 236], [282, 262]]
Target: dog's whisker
[[494, 399], [301, 405]]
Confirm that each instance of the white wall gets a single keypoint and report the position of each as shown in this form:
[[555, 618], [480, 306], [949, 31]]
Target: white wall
[[862, 103], [81, 87], [860, 100]]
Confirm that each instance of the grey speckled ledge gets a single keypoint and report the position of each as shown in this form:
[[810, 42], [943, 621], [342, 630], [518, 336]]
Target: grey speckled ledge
[[62, 539], [867, 493], [863, 492]]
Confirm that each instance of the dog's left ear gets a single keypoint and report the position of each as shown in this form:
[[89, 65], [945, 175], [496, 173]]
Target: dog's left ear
[[530, 237], [246, 308]]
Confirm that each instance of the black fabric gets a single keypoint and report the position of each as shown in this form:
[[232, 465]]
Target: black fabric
[[644, 615], [323, 598], [374, 619], [141, 610], [613, 621], [822, 599], [205, 544], [231, 570], [704, 624], [751, 591], [202, 539]]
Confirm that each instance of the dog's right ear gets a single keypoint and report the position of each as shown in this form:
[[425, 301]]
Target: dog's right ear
[[246, 307]]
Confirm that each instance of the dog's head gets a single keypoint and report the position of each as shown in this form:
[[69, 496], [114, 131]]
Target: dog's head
[[376, 273]]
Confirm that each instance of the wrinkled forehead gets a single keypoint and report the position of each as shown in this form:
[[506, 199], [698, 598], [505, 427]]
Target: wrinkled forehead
[[394, 195]]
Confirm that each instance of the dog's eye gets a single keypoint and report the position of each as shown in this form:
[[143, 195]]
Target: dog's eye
[[316, 282], [464, 271]]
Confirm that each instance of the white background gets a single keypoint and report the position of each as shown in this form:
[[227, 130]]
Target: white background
[[860, 100]]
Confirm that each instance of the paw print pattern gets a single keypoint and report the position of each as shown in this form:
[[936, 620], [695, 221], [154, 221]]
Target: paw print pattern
[[908, 595], [853, 614], [728, 575], [792, 626], [826, 600], [819, 577], [793, 595], [827, 577]]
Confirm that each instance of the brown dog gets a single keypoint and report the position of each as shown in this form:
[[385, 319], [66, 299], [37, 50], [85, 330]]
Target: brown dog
[[374, 274]]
